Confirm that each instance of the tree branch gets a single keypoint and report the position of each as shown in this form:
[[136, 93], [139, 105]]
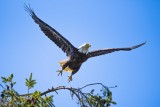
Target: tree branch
[[82, 97]]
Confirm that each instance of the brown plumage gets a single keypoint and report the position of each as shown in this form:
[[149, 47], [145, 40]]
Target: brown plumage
[[75, 56]]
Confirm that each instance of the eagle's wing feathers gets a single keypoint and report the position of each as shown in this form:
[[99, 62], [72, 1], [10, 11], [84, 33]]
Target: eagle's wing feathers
[[106, 51], [51, 33]]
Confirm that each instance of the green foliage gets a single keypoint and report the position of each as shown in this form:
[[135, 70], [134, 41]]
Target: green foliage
[[30, 82], [103, 100], [9, 79], [11, 98]]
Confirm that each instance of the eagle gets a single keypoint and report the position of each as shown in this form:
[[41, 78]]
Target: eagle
[[76, 56]]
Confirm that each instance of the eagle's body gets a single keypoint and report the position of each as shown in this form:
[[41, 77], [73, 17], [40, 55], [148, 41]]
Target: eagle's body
[[76, 56], [73, 63]]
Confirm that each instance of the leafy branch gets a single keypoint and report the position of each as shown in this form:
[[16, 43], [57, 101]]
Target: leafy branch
[[30, 83], [10, 97]]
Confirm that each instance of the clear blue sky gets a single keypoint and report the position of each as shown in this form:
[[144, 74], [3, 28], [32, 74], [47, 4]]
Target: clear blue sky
[[104, 24]]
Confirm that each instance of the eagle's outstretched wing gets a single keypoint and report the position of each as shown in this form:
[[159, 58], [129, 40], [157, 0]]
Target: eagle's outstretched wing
[[106, 51], [51, 33]]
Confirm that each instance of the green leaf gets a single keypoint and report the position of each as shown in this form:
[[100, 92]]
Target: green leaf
[[104, 93], [36, 94], [11, 75], [113, 102], [48, 99], [14, 83], [30, 78], [4, 80], [10, 78], [92, 91], [29, 82]]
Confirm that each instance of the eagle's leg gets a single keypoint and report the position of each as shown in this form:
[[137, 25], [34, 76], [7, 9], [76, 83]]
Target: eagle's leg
[[72, 73], [63, 67], [70, 78], [60, 72]]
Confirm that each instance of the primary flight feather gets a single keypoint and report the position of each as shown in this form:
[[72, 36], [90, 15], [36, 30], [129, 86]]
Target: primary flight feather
[[76, 56]]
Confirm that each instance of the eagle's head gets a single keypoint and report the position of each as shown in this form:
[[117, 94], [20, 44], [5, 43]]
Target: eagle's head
[[84, 48]]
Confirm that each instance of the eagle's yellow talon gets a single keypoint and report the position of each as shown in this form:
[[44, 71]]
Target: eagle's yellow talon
[[60, 72], [69, 78]]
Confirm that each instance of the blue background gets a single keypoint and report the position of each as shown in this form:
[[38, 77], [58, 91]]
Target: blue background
[[104, 24]]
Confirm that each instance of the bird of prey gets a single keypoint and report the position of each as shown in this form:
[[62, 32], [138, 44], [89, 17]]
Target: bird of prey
[[76, 56]]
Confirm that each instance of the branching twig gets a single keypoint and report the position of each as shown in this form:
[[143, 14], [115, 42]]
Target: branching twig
[[37, 98], [82, 97]]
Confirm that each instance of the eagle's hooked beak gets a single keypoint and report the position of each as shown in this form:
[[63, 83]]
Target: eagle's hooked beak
[[88, 45]]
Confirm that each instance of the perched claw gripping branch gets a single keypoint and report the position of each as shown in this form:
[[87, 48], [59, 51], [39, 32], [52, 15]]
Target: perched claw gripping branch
[[11, 98]]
